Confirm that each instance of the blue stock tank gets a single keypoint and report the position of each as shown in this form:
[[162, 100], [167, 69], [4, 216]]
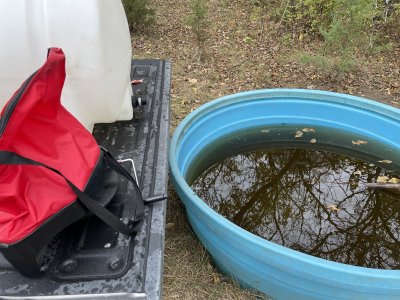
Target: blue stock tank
[[275, 270]]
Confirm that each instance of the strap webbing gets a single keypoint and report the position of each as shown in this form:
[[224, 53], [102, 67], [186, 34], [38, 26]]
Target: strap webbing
[[116, 166], [11, 158]]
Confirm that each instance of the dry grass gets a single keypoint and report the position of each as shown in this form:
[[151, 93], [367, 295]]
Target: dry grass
[[239, 56], [189, 273]]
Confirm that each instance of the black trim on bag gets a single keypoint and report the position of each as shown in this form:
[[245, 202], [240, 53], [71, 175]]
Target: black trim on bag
[[12, 104], [11, 158], [116, 166]]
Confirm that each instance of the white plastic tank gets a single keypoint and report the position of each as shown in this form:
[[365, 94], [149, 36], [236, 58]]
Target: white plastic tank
[[94, 36]]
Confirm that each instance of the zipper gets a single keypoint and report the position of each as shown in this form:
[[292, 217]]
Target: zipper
[[12, 104]]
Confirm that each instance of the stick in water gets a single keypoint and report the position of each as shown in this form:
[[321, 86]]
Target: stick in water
[[373, 185]]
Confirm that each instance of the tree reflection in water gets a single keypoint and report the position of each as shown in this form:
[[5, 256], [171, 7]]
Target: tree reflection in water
[[312, 201]]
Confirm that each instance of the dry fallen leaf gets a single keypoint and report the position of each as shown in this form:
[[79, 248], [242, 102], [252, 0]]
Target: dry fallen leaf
[[193, 80], [332, 207], [169, 225], [382, 179], [385, 161], [216, 278], [359, 142], [357, 173], [298, 134], [308, 130]]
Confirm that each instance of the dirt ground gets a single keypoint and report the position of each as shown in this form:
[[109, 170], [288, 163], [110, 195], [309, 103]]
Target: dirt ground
[[239, 56]]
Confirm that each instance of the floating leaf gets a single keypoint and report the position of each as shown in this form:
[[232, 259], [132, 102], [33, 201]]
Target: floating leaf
[[359, 142], [382, 179], [394, 180], [313, 141], [332, 207], [308, 130], [385, 161], [298, 134]]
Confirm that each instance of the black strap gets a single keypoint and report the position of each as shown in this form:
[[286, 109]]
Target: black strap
[[116, 166], [11, 158]]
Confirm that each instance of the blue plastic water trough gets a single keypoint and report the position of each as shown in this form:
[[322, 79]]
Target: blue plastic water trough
[[257, 263]]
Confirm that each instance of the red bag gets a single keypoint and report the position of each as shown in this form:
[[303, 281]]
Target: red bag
[[52, 170]]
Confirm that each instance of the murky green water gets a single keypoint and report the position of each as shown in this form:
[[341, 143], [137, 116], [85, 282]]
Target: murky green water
[[308, 191]]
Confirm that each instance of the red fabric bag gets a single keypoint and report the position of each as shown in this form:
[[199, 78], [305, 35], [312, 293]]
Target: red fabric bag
[[51, 169]]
